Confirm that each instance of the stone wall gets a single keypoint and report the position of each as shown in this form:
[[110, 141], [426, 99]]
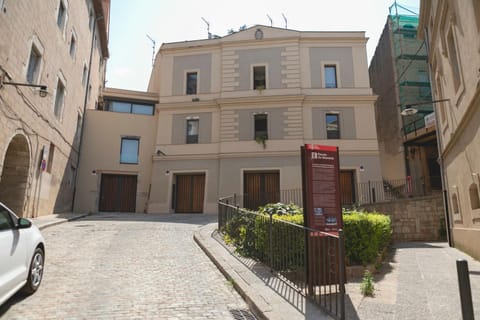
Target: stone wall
[[417, 219]]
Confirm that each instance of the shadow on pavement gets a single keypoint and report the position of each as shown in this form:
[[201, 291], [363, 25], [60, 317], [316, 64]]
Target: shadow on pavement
[[200, 219], [289, 293], [16, 298]]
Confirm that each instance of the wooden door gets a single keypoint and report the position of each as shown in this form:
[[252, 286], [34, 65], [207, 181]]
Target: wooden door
[[260, 188], [347, 188], [118, 193], [190, 192]]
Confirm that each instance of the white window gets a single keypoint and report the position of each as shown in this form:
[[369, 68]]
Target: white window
[[129, 150], [61, 15], [330, 72], [84, 75], [259, 77], [34, 61], [453, 58], [192, 82], [192, 130], [59, 98], [73, 45]]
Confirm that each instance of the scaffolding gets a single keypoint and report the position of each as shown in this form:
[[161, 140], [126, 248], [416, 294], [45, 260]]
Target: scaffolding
[[411, 66]]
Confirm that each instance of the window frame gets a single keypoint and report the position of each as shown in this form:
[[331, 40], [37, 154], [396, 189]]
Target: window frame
[[192, 138], [51, 155], [197, 87], [84, 75], [109, 103], [329, 64], [253, 84], [72, 50], [33, 71], [257, 133], [37, 46], [62, 26], [59, 108], [332, 134], [129, 138]]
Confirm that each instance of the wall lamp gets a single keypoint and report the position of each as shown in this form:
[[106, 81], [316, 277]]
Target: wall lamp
[[409, 111], [42, 92]]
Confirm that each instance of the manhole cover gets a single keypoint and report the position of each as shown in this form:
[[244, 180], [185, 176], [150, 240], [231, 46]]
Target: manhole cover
[[242, 314]]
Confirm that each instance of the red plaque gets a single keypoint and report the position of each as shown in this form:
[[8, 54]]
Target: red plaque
[[321, 187]]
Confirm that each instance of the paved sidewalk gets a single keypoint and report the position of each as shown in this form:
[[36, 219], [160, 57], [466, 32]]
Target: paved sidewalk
[[418, 282], [267, 297], [43, 222]]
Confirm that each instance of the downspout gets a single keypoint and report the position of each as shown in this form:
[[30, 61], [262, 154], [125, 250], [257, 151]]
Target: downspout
[[87, 86]]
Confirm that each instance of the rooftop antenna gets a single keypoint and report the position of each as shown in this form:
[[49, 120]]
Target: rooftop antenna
[[271, 21], [208, 28], [153, 49], [285, 18]]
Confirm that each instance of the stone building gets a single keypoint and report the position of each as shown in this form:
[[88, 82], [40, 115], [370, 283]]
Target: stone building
[[451, 29], [228, 115], [52, 66], [399, 75]]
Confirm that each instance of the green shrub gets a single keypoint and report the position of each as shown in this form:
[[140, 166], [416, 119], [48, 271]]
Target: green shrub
[[288, 242], [281, 209], [366, 236]]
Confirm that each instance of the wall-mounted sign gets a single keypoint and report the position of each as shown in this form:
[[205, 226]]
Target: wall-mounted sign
[[321, 187], [429, 120]]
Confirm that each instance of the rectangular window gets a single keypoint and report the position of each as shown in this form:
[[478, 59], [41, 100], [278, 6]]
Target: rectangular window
[[330, 76], [33, 65], [129, 150], [261, 126], [59, 99], [73, 46], [259, 78], [191, 83], [51, 151], [452, 55], [129, 107], [84, 76], [192, 130], [333, 126], [62, 15]]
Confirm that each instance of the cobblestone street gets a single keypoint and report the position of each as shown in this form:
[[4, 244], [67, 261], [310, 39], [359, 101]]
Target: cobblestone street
[[128, 266]]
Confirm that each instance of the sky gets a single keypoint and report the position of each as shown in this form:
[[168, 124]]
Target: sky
[[130, 62]]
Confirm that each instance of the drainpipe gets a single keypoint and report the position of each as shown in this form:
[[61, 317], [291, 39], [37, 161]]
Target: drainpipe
[[87, 86]]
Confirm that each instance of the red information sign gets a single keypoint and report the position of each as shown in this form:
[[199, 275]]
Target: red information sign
[[321, 187]]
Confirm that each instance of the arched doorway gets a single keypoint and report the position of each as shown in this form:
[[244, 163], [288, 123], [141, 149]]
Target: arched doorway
[[13, 182]]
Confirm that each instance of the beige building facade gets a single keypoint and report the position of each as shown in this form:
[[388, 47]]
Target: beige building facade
[[451, 31], [231, 116], [52, 63]]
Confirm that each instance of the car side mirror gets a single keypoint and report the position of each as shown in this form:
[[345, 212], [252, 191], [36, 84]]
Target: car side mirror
[[23, 223]]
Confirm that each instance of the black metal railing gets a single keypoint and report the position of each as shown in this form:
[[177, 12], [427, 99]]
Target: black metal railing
[[389, 190], [311, 261]]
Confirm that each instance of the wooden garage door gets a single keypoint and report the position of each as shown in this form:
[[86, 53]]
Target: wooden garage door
[[261, 188], [118, 193], [347, 188], [190, 191]]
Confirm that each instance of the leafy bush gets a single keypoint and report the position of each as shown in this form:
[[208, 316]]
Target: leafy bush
[[366, 236], [281, 209], [288, 242]]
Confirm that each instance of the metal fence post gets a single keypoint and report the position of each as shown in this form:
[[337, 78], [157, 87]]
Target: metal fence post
[[270, 244], [465, 290], [369, 193], [341, 252]]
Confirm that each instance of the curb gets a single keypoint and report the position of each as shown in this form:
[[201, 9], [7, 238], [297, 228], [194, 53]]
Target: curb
[[250, 302], [61, 220], [254, 287]]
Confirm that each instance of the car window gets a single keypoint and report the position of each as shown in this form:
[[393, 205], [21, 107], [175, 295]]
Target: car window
[[6, 222]]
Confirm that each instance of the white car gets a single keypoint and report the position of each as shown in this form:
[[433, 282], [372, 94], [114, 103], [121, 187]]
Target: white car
[[22, 255]]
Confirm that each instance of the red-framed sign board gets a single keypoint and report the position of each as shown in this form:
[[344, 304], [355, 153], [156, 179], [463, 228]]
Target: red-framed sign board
[[321, 187]]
